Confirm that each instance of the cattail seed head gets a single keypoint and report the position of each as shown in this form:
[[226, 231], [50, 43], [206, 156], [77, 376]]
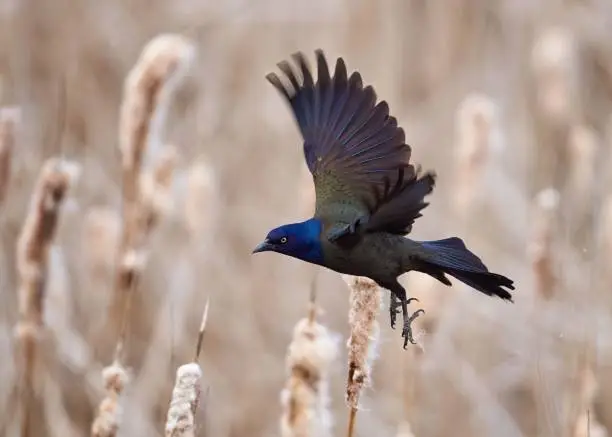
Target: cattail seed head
[[184, 403], [305, 397]]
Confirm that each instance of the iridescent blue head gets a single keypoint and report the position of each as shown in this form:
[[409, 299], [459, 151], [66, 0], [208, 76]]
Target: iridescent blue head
[[298, 240]]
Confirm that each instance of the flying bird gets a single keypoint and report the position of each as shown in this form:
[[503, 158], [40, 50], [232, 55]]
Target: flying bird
[[368, 193]]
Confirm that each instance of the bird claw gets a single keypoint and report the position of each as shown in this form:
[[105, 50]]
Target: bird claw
[[394, 308], [407, 330]]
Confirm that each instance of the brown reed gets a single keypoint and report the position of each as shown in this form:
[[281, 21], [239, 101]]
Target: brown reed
[[365, 303], [146, 97], [34, 242], [305, 397], [187, 392], [109, 416]]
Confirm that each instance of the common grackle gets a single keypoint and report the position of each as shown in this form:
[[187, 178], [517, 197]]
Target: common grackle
[[368, 194]]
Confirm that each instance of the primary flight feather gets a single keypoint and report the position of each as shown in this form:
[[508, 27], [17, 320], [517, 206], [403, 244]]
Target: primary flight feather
[[368, 193]]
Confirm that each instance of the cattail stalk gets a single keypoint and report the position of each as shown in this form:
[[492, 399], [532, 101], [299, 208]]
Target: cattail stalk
[[305, 397], [365, 303], [146, 96], [9, 122], [187, 392], [33, 246]]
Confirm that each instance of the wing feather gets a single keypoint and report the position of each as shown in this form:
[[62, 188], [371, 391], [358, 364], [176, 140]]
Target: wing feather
[[353, 147]]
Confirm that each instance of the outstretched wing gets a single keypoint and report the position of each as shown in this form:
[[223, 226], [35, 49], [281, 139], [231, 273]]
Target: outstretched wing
[[352, 146], [398, 208]]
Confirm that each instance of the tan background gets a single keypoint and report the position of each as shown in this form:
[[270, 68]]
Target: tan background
[[490, 369]]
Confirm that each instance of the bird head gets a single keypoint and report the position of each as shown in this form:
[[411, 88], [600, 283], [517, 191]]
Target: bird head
[[298, 240]]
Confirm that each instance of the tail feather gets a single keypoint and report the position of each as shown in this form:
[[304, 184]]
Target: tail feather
[[452, 257]]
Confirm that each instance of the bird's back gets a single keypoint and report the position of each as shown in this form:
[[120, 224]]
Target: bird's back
[[378, 255]]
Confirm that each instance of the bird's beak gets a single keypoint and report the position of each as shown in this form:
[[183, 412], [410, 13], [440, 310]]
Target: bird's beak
[[263, 247]]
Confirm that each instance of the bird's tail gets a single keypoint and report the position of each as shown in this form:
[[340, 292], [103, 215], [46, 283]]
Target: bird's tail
[[452, 257]]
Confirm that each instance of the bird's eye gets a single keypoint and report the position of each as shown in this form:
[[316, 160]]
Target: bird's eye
[[283, 240]]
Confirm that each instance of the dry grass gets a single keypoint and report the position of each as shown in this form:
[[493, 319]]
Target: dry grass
[[504, 99]]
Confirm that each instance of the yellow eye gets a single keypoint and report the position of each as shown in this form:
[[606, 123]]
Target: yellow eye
[[283, 240]]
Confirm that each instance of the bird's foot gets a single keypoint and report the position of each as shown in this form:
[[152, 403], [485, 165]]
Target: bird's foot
[[407, 330], [394, 307]]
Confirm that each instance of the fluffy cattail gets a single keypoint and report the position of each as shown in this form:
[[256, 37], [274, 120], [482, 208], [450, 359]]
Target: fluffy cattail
[[365, 304], [540, 250], [9, 121], [108, 419], [477, 133], [186, 393], [33, 247], [184, 404], [147, 90], [305, 398]]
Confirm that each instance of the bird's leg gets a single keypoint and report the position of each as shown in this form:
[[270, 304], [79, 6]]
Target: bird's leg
[[400, 294], [394, 307]]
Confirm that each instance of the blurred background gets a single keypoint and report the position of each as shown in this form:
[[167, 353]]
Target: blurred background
[[510, 101]]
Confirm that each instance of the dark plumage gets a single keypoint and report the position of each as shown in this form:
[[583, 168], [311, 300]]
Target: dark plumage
[[368, 194]]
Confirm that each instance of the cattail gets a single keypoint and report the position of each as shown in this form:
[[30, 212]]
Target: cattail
[[108, 419], [147, 90], [554, 63], [540, 249], [305, 398], [477, 134], [33, 246], [185, 398], [9, 121], [186, 393], [146, 97], [365, 303]]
